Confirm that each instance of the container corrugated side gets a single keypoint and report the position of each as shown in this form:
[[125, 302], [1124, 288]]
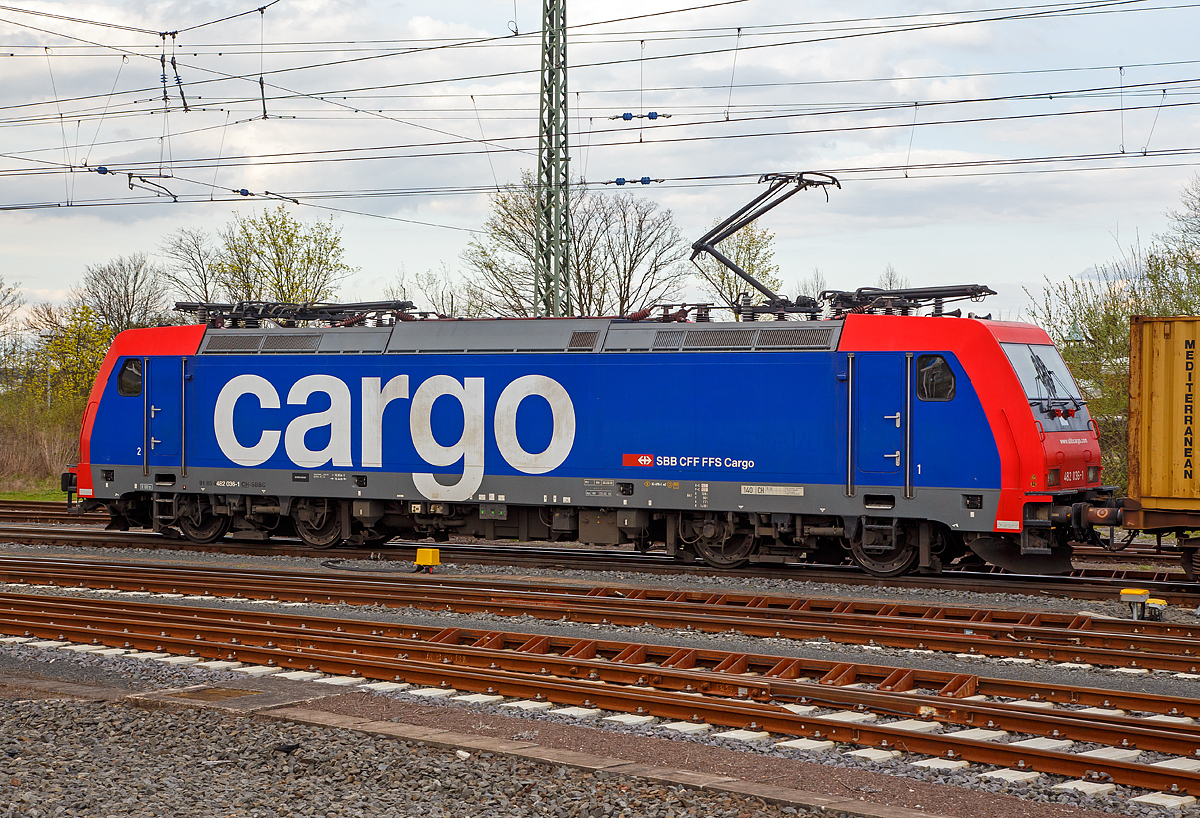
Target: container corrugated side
[[1163, 399]]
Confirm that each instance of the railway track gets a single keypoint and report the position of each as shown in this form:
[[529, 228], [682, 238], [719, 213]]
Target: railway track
[[1041, 636], [1080, 584], [954, 717], [1156, 571], [46, 511]]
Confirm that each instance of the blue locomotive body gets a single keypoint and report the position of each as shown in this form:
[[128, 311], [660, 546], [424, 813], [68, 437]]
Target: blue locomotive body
[[591, 418], [895, 438]]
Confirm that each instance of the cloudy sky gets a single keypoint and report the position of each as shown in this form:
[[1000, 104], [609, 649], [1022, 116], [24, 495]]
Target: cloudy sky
[[976, 142]]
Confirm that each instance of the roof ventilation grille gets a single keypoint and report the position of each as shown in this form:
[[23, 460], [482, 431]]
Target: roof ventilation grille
[[233, 343], [669, 339], [808, 337], [583, 340], [291, 343], [720, 339]]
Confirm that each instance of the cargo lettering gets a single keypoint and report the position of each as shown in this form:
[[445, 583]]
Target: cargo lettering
[[376, 396], [1189, 365]]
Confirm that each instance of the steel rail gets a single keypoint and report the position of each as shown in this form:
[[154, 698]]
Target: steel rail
[[571, 649], [1081, 584], [46, 511], [1018, 634], [454, 657]]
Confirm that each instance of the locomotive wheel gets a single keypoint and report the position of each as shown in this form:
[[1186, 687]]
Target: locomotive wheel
[[729, 553], [322, 529], [890, 563], [205, 527]]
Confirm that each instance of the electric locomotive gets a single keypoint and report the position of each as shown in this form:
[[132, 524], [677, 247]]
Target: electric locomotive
[[862, 430]]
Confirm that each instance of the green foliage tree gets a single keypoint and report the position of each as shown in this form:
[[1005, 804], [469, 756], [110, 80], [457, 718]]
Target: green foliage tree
[[48, 377], [1088, 318], [61, 362], [751, 248], [274, 257]]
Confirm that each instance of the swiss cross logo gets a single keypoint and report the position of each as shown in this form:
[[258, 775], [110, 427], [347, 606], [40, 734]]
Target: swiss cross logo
[[637, 460]]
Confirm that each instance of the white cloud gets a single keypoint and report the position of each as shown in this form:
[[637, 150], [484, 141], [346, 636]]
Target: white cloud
[[1004, 230]]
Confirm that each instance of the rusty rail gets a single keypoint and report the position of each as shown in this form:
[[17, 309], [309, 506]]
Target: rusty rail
[[1041, 635], [661, 681], [1081, 584]]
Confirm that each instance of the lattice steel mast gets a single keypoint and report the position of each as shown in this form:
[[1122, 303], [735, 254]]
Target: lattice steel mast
[[552, 289]]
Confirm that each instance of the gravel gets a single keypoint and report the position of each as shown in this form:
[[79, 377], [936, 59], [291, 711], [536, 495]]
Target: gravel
[[756, 762], [134, 675], [71, 758], [84, 754]]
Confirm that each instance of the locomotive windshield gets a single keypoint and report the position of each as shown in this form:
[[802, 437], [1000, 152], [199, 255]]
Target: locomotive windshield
[[1043, 373]]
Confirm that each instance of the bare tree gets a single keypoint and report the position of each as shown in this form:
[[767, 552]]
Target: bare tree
[[590, 220], [889, 279], [191, 265], [1184, 233], [500, 264], [123, 293], [446, 296], [643, 252], [813, 285], [11, 300], [625, 253], [401, 289]]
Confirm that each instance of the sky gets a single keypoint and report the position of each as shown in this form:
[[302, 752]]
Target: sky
[[1007, 145]]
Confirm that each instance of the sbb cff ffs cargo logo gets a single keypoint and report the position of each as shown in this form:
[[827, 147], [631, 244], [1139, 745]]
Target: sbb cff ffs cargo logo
[[637, 460]]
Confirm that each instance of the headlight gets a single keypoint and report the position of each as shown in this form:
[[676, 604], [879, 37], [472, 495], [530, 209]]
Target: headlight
[[1052, 477], [1093, 474]]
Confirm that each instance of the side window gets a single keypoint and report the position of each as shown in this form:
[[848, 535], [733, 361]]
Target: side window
[[935, 378], [129, 379]]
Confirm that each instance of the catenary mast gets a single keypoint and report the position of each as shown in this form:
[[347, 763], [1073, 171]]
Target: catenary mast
[[552, 293]]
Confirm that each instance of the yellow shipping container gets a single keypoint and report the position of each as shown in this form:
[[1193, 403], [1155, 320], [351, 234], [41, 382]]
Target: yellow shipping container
[[1163, 461]]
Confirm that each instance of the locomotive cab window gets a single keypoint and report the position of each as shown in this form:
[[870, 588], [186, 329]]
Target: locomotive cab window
[[935, 378], [129, 379]]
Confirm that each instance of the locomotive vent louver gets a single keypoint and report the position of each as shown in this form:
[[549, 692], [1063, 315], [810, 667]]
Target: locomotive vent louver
[[583, 340], [291, 343], [232, 343], [669, 339], [719, 339], [796, 337]]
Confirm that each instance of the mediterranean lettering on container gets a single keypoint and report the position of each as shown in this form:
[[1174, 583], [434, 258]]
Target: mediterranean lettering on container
[[1189, 365]]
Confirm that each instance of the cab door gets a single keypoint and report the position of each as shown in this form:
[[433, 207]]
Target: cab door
[[880, 403], [164, 412]]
